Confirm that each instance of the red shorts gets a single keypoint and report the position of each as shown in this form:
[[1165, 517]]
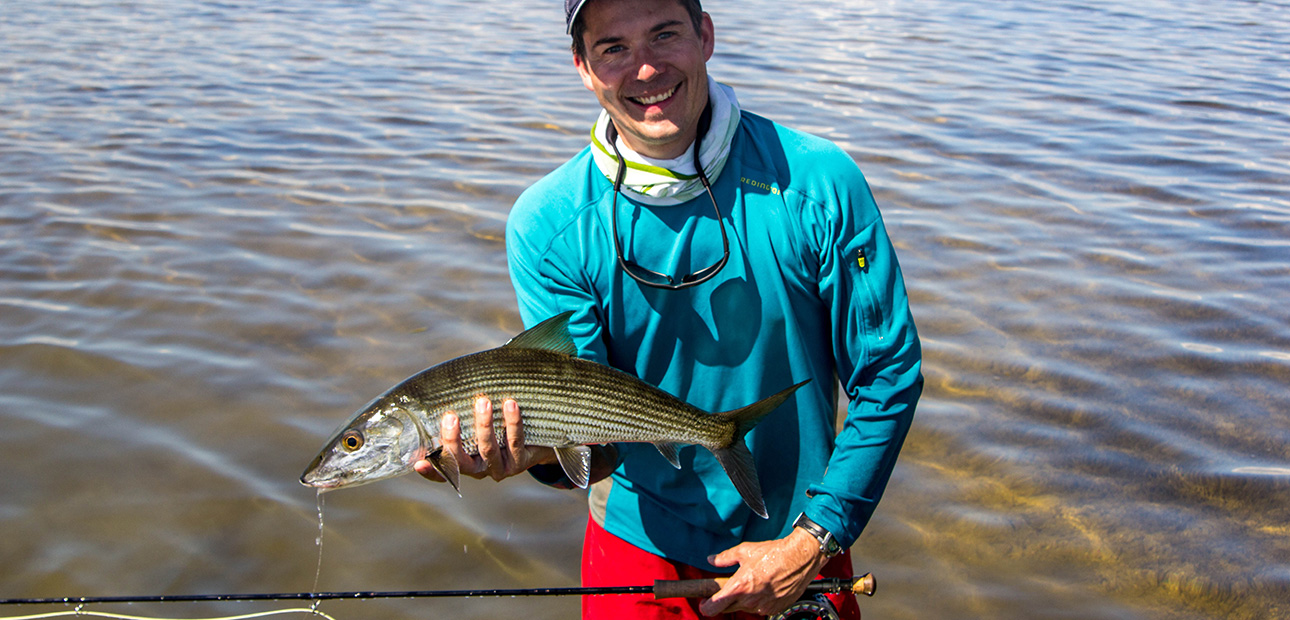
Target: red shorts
[[608, 560]]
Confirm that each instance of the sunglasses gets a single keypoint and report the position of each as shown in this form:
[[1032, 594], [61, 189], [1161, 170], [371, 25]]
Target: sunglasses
[[649, 277]]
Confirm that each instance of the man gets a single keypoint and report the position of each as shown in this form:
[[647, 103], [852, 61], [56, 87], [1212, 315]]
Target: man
[[764, 265]]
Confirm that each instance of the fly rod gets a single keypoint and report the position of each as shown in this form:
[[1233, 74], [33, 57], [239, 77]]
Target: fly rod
[[689, 588]]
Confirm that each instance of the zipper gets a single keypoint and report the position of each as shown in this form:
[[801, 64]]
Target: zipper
[[862, 262]]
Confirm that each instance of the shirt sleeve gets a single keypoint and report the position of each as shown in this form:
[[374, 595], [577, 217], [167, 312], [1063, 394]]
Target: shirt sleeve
[[547, 283], [544, 288], [877, 357]]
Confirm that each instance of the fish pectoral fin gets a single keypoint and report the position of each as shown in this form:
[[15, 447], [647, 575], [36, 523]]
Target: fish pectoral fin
[[446, 464], [668, 450], [576, 463]]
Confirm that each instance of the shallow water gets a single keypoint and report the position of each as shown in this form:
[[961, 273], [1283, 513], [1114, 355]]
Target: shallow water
[[226, 225]]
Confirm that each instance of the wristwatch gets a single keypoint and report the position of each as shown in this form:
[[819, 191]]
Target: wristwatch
[[828, 544]]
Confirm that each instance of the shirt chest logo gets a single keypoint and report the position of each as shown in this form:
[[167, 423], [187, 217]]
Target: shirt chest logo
[[761, 185]]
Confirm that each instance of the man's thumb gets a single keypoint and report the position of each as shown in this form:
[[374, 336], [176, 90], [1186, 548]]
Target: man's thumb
[[729, 557]]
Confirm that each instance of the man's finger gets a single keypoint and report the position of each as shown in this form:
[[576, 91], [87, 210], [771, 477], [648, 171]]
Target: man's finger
[[514, 433], [450, 436], [729, 557], [486, 441], [720, 602], [450, 430]]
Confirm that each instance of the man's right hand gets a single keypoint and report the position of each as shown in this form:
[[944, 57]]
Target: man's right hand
[[499, 458]]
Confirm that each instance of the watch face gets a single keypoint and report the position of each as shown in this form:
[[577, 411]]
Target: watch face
[[832, 547]]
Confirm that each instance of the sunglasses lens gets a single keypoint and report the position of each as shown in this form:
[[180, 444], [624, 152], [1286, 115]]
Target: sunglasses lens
[[646, 276]]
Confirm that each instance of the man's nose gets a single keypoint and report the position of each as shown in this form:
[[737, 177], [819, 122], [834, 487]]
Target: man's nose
[[648, 66]]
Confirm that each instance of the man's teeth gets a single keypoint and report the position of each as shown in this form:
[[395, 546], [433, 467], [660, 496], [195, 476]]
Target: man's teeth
[[656, 98]]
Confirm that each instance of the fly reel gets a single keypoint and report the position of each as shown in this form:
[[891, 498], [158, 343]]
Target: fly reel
[[816, 607]]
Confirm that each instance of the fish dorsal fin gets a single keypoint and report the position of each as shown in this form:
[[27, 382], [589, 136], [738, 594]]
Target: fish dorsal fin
[[576, 463], [549, 335]]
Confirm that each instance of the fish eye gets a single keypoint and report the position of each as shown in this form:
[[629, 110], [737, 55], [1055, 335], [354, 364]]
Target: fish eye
[[351, 440]]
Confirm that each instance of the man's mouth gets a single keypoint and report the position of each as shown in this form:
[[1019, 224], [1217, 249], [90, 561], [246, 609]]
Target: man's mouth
[[653, 99]]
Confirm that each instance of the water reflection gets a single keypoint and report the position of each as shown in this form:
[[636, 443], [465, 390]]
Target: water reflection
[[225, 226]]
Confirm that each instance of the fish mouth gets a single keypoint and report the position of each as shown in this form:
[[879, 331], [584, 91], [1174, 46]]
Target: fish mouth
[[325, 481], [311, 481], [312, 477]]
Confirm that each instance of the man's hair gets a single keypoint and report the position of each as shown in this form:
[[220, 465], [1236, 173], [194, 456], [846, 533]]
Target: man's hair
[[693, 7]]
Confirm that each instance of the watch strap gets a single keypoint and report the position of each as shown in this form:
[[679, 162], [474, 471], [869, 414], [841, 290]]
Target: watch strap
[[828, 544]]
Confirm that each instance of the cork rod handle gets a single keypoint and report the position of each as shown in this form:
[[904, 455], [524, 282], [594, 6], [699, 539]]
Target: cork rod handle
[[688, 588], [703, 588]]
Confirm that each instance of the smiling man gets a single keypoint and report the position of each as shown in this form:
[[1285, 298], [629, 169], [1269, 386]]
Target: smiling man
[[722, 257], [647, 64]]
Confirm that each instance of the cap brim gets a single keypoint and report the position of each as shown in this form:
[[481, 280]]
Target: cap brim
[[573, 17]]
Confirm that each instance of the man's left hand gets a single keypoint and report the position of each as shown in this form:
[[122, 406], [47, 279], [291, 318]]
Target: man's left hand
[[772, 575]]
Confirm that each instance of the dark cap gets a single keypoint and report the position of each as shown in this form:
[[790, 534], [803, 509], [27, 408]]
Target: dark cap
[[571, 8]]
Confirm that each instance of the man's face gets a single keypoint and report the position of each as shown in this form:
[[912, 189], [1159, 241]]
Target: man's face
[[646, 64]]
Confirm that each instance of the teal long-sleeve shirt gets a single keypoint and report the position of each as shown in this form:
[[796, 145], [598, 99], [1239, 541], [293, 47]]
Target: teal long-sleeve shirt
[[812, 290]]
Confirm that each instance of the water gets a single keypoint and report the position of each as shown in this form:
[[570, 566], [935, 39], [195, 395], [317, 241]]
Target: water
[[224, 226], [321, 530]]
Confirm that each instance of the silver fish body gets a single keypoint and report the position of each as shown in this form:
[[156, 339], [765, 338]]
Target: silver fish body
[[566, 403]]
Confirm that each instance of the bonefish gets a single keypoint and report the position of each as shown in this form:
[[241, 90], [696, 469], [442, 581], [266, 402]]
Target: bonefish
[[566, 402]]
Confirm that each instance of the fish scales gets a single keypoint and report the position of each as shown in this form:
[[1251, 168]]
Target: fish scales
[[567, 403], [603, 407]]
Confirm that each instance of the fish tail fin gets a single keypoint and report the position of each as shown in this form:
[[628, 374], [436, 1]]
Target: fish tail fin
[[737, 460], [745, 418]]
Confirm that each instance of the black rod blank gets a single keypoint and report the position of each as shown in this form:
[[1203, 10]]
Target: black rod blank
[[322, 596], [662, 589]]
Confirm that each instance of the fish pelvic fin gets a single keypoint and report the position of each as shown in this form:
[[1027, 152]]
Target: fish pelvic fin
[[737, 460], [668, 450], [446, 464], [549, 335], [576, 463]]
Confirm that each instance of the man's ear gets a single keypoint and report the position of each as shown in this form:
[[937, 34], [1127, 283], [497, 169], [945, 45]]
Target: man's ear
[[707, 34], [584, 71]]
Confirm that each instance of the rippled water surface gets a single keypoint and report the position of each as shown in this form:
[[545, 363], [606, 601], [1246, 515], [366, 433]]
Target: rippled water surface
[[226, 225]]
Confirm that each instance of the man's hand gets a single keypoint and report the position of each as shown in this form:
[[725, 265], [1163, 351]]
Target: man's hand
[[499, 457], [772, 575]]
